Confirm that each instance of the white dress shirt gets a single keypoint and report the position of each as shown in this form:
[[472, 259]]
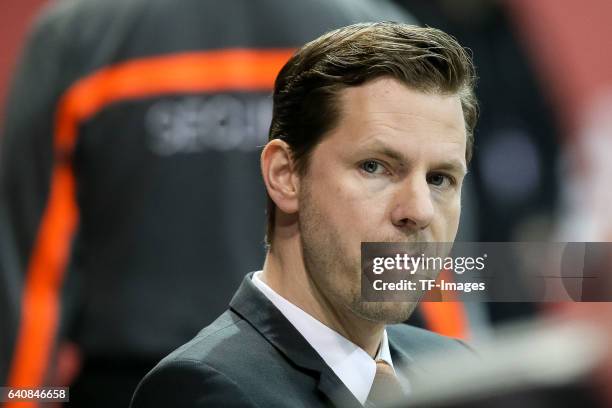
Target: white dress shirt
[[353, 365]]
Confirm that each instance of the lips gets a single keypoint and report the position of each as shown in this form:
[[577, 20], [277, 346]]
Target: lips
[[412, 258]]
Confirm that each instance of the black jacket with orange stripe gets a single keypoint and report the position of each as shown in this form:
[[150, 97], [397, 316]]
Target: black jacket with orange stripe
[[130, 195]]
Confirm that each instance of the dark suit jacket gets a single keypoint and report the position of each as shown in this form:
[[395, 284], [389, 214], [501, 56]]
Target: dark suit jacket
[[252, 356]]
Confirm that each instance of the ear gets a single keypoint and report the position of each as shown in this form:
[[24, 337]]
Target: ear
[[280, 176]]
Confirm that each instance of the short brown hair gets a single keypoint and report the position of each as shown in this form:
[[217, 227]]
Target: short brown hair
[[306, 89]]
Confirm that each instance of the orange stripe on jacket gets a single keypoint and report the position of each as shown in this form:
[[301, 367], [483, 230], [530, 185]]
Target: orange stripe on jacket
[[39, 310], [213, 71], [194, 72]]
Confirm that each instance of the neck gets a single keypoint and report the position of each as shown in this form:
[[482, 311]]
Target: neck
[[285, 273]]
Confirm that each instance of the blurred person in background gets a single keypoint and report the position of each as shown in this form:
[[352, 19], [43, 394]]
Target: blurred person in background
[[130, 191], [577, 73]]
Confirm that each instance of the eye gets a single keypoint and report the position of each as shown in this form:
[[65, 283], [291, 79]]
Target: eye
[[372, 167], [438, 179]]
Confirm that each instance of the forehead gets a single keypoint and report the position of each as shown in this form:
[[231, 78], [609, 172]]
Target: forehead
[[388, 112]]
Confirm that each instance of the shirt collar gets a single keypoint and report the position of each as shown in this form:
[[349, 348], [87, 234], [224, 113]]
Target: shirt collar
[[353, 365]]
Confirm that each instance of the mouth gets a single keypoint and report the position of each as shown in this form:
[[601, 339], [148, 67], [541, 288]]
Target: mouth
[[403, 259]]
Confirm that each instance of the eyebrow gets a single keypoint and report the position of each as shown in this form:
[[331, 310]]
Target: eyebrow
[[453, 166], [382, 148]]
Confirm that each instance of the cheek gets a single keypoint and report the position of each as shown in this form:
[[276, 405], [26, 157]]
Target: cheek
[[363, 212], [348, 201], [446, 222], [350, 215]]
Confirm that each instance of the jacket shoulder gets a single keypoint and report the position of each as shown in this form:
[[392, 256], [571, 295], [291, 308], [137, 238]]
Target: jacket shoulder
[[218, 338], [185, 383], [417, 341], [194, 374]]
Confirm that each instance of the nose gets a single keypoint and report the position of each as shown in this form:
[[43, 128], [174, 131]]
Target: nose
[[413, 208]]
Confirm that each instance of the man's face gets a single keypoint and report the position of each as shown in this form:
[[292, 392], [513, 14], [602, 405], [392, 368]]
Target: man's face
[[391, 171]]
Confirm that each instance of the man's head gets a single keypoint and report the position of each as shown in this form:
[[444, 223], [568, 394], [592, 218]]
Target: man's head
[[370, 139]]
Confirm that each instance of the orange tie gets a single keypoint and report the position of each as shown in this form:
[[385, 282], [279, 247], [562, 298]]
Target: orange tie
[[385, 388]]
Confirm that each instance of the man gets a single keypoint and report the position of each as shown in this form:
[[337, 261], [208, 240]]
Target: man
[[370, 139]]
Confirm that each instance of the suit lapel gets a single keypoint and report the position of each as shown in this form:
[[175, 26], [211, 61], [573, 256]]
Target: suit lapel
[[336, 391], [254, 307]]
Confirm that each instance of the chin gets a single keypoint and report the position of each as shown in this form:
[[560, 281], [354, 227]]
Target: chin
[[384, 312]]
